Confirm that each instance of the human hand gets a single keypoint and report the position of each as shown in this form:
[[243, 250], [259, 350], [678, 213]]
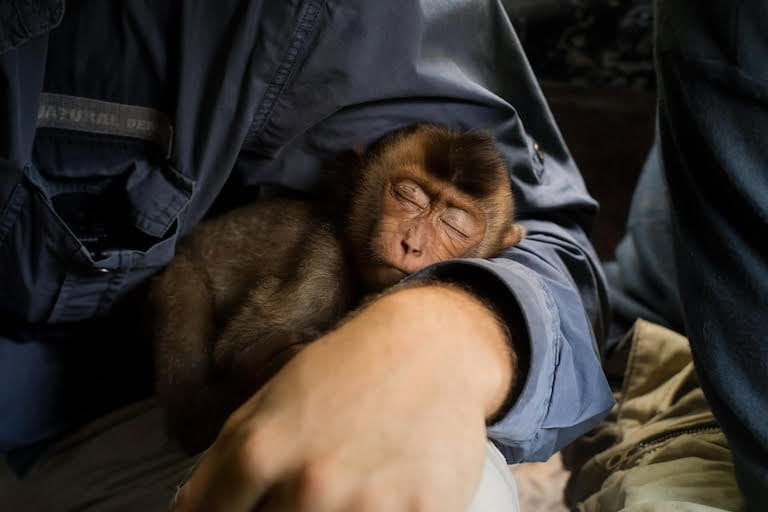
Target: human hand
[[377, 415]]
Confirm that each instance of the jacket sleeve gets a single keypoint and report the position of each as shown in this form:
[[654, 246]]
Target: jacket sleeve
[[367, 67]]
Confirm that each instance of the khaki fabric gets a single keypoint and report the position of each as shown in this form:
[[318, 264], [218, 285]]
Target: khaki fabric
[[660, 448]]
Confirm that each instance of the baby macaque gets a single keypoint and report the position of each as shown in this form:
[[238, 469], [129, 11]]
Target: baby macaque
[[251, 287]]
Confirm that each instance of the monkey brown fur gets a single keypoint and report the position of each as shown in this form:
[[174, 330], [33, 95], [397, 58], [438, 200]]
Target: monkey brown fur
[[249, 288]]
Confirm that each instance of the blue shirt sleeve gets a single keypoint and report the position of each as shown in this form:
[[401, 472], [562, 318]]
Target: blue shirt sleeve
[[374, 66]]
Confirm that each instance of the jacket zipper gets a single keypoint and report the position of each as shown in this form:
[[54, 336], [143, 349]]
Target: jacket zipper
[[617, 460], [664, 436]]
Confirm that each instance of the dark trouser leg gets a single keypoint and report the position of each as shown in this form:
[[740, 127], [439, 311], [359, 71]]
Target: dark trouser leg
[[712, 64], [123, 461]]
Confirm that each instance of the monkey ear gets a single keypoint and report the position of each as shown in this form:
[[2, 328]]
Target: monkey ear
[[516, 233]]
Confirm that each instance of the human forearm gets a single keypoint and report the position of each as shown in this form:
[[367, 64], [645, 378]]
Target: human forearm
[[446, 333], [400, 390]]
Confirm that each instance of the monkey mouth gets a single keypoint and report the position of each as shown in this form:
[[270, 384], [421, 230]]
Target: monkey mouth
[[383, 274], [398, 271], [392, 266], [393, 272]]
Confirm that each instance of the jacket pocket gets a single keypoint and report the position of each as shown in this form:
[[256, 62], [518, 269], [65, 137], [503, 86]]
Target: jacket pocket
[[72, 243]]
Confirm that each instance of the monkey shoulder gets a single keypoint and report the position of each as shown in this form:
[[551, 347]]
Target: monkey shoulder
[[265, 241], [259, 231]]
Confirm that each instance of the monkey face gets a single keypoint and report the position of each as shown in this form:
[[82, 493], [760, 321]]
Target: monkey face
[[422, 221], [428, 194]]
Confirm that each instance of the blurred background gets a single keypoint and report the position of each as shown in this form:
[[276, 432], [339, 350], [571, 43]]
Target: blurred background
[[594, 59]]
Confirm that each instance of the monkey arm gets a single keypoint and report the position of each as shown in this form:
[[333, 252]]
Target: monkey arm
[[284, 312], [181, 308], [202, 376], [197, 398], [210, 359], [281, 312]]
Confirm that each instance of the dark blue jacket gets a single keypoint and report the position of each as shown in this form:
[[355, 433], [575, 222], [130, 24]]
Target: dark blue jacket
[[258, 94]]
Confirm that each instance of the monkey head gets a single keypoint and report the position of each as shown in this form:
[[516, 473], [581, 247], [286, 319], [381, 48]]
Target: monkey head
[[426, 194]]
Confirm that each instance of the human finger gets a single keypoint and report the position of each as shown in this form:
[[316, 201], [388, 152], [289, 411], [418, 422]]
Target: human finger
[[325, 484], [231, 477]]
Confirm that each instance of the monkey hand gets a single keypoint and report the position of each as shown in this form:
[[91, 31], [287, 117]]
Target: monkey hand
[[377, 415]]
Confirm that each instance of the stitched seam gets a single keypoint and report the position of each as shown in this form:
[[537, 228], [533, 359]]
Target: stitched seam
[[554, 325], [556, 347], [162, 219], [278, 84]]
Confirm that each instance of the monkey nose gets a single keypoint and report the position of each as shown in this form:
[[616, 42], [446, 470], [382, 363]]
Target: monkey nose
[[410, 249]]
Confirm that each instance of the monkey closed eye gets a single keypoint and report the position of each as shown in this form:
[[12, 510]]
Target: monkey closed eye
[[411, 193], [459, 222]]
